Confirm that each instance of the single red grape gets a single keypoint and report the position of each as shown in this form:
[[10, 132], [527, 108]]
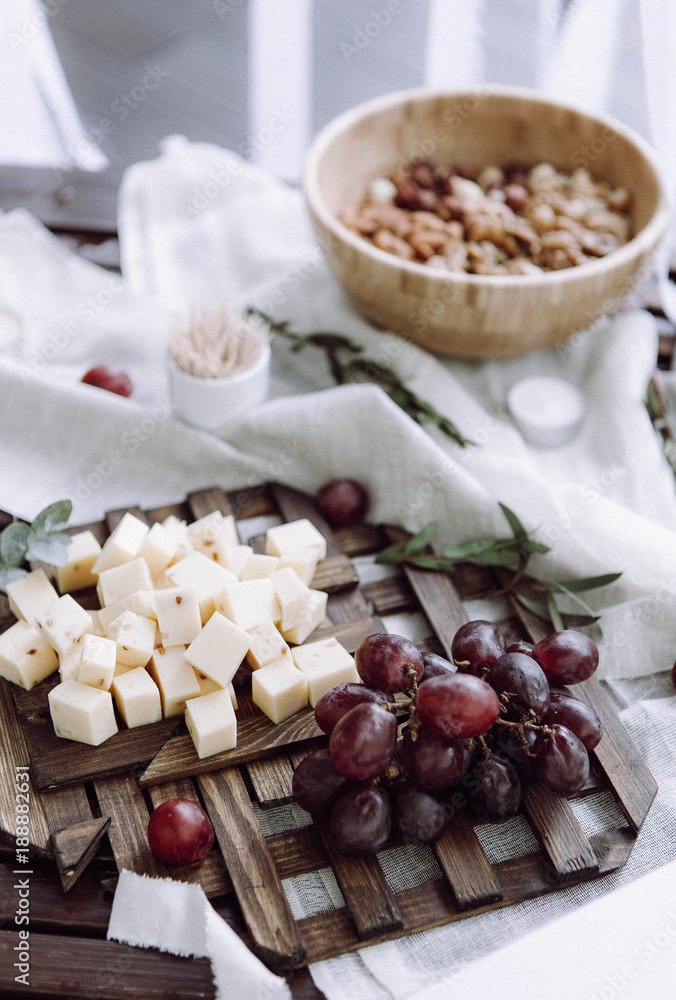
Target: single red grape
[[432, 761], [520, 646], [104, 378], [673, 674], [495, 790], [180, 832], [316, 785], [522, 678], [567, 657], [419, 816], [476, 646], [433, 665], [362, 819], [577, 716], [363, 742], [388, 662], [343, 501], [561, 761], [338, 700], [457, 705]]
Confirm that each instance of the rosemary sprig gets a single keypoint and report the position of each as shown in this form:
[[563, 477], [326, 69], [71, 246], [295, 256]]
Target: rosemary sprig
[[513, 553], [347, 364]]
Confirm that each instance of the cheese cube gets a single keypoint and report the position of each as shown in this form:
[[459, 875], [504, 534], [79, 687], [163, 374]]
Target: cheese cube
[[30, 595], [178, 615], [178, 529], [249, 603], [82, 713], [205, 530], [121, 581], [122, 668], [219, 649], [207, 685], [293, 596], [203, 576], [304, 564], [235, 558], [69, 666], [158, 548], [122, 544], [258, 566], [25, 656], [175, 678], [279, 690], [267, 644], [97, 663], [212, 723], [137, 697], [63, 624], [298, 634], [97, 627], [141, 602], [135, 638], [294, 538], [83, 551], [324, 663]]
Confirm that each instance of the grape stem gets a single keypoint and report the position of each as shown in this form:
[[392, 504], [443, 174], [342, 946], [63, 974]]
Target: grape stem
[[539, 727]]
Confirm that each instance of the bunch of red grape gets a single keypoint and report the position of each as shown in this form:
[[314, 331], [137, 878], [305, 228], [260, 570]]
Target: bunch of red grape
[[467, 733]]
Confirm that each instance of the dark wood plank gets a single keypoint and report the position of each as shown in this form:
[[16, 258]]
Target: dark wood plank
[[69, 816], [75, 846], [75, 967], [271, 780], [390, 596], [465, 865], [633, 785], [559, 834], [369, 899], [334, 573], [207, 501], [256, 738], [55, 761], [274, 933], [350, 633], [120, 798], [13, 755], [361, 539]]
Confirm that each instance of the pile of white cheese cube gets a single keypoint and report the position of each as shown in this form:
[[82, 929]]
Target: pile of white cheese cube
[[181, 607]]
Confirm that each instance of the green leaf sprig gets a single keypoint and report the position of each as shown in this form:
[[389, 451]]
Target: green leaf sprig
[[511, 553], [42, 539], [347, 364]]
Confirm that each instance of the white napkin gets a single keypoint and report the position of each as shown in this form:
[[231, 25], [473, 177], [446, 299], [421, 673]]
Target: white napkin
[[623, 944], [177, 917]]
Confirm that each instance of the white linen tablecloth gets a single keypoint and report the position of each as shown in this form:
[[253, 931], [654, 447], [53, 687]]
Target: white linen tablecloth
[[199, 226]]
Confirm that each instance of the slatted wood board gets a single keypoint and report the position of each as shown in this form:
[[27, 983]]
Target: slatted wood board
[[90, 806]]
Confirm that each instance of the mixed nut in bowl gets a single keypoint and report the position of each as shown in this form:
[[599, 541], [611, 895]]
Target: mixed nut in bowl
[[485, 223]]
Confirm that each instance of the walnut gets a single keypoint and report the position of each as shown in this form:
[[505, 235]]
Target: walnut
[[386, 240]]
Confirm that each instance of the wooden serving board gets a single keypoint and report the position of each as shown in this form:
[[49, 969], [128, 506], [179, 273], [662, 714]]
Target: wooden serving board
[[90, 806]]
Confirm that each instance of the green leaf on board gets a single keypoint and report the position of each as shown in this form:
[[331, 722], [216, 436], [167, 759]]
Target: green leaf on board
[[13, 543]]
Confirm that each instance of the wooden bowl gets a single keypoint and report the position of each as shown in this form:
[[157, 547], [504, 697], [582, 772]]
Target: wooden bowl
[[473, 315]]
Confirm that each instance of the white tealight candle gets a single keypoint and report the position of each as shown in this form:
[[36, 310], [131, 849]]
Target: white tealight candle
[[547, 410]]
